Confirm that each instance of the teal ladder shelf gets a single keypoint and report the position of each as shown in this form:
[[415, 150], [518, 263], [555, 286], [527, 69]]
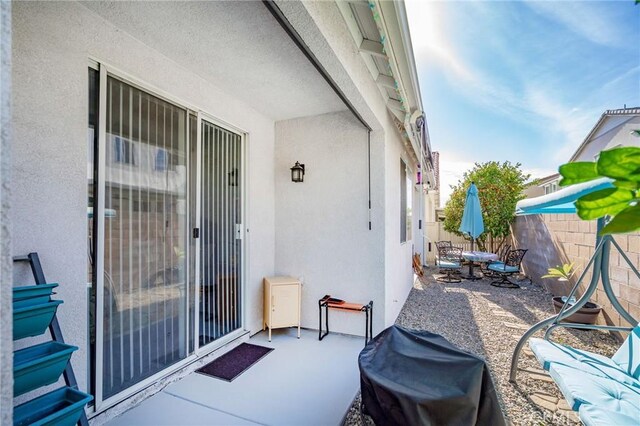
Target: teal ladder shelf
[[40, 365]]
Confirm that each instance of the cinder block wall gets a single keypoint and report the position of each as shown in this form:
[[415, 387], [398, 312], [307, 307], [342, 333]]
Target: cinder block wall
[[554, 239]]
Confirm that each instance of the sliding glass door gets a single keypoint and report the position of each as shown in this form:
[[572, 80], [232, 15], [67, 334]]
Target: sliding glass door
[[165, 258], [145, 237], [221, 233]]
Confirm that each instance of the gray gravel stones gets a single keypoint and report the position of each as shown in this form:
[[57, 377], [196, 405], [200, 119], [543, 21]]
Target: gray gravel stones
[[488, 321]]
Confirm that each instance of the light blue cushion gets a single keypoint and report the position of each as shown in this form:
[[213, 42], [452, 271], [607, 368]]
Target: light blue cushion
[[592, 415], [581, 388], [447, 264], [501, 267], [550, 353], [628, 356]]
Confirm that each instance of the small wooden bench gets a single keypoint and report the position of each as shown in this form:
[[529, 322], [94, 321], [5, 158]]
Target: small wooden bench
[[329, 302]]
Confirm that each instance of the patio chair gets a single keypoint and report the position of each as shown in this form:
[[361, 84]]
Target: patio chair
[[450, 262], [502, 254], [441, 245], [511, 265]]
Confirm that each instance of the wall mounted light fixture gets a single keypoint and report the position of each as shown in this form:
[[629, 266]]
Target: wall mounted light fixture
[[297, 172]]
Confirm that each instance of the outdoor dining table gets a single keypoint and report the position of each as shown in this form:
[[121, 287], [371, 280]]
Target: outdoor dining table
[[477, 257]]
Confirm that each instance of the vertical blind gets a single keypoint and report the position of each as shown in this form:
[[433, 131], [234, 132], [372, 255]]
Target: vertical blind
[[220, 216], [145, 285]]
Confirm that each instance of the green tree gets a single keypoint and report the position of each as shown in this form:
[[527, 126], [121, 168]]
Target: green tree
[[500, 187]]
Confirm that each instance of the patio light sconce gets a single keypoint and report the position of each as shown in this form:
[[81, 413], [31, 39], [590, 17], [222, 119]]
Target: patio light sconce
[[297, 172]]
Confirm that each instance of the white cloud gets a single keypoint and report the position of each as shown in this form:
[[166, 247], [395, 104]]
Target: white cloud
[[587, 19], [536, 97], [451, 171], [430, 43], [573, 123]]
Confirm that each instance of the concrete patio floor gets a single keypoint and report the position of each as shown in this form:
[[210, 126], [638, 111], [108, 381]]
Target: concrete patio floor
[[302, 382]]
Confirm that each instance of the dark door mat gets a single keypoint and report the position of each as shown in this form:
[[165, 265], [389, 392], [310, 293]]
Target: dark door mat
[[235, 362]]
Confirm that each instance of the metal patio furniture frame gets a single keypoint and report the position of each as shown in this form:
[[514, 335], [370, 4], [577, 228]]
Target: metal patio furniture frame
[[444, 245], [450, 263], [502, 254], [326, 303], [594, 385], [512, 265], [600, 263]]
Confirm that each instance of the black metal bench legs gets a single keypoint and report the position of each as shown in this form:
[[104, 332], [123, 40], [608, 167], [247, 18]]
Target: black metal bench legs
[[367, 309]]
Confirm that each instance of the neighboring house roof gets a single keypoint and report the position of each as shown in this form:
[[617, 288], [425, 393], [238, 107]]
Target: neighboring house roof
[[605, 130], [380, 29], [547, 179]]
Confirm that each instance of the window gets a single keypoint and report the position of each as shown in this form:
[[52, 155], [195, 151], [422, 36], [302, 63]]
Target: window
[[405, 203], [162, 157], [123, 151], [550, 187]]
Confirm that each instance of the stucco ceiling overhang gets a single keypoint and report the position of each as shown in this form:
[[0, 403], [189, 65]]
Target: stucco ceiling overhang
[[236, 46]]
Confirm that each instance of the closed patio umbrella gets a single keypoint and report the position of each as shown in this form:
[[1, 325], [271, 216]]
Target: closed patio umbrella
[[472, 223]]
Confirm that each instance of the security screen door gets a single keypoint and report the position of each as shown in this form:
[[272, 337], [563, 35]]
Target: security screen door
[[144, 304], [220, 233], [169, 237]]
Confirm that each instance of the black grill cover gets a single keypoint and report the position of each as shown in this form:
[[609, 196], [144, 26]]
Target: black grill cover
[[410, 377]]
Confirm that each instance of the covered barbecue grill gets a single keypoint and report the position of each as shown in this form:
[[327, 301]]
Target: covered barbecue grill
[[410, 377]]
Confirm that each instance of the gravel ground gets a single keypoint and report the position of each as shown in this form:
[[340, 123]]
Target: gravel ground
[[487, 321]]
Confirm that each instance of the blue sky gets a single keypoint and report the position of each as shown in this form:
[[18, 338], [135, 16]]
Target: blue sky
[[523, 81]]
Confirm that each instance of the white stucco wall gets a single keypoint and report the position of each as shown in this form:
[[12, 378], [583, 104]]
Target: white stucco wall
[[323, 29], [399, 272], [6, 315], [52, 44], [322, 231]]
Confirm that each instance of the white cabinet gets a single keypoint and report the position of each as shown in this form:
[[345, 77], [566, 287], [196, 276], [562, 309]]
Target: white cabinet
[[281, 303]]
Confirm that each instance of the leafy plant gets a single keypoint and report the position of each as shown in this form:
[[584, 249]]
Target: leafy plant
[[500, 187], [620, 202], [562, 273]]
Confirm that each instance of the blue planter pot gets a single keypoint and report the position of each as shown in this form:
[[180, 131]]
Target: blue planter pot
[[61, 407], [33, 320], [32, 294], [39, 365]]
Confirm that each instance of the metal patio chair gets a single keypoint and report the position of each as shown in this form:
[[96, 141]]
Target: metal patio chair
[[502, 254], [440, 245], [512, 265], [450, 263]]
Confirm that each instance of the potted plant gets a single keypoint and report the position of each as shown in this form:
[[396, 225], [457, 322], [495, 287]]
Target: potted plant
[[588, 314]]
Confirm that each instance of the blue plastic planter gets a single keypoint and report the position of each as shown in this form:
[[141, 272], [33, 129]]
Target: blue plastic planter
[[39, 365], [29, 291], [33, 320], [62, 407], [32, 294]]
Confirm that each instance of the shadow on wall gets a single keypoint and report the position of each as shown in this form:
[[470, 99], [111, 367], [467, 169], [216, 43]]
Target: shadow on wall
[[544, 251]]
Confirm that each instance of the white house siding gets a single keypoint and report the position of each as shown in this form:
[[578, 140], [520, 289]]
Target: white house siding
[[52, 44], [616, 130], [322, 28], [322, 231], [6, 329], [399, 271]]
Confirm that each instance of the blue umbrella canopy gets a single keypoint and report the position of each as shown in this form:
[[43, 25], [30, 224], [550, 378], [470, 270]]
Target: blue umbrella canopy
[[472, 223]]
